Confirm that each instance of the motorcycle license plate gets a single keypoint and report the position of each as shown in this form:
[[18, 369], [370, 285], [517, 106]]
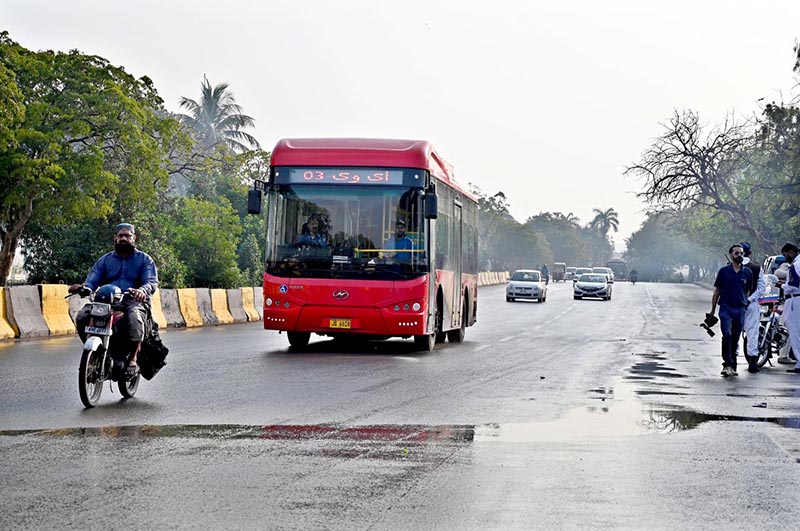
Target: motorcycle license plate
[[98, 331], [340, 323]]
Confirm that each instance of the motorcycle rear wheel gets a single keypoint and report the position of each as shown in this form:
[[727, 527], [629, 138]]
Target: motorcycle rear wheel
[[90, 385], [128, 386]]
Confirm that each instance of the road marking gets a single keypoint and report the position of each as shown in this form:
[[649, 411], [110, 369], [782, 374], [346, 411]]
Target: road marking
[[482, 347], [508, 338]]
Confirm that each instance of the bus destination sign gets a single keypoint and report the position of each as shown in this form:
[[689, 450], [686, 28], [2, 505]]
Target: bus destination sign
[[340, 176]]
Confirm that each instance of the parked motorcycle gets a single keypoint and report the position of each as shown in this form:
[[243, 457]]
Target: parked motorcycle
[[105, 357], [772, 334]]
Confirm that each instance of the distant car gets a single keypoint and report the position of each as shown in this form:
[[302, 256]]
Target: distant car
[[570, 274], [592, 285], [526, 284], [606, 270], [580, 271]]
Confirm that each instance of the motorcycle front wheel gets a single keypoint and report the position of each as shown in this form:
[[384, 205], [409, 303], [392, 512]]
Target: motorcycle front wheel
[[766, 345], [90, 384]]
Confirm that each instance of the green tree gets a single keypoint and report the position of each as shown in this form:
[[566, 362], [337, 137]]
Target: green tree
[[563, 235], [659, 247], [206, 238], [78, 133], [605, 220], [217, 120]]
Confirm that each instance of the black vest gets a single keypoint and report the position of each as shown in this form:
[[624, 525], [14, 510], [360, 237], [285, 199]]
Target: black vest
[[756, 270]]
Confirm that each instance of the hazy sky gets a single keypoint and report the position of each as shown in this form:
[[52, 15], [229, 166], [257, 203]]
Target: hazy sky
[[546, 103]]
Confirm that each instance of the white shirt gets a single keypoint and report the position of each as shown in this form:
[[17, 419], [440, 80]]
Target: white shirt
[[761, 286], [791, 290]]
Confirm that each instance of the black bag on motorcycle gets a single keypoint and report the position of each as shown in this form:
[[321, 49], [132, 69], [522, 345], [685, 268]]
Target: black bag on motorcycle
[[152, 355]]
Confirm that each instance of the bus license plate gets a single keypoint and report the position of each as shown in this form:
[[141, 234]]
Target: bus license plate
[[340, 323], [98, 331]]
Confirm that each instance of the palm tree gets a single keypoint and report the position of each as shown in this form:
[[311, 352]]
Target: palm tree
[[603, 221], [218, 119]]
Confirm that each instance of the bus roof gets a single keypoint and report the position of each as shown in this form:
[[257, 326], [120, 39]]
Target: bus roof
[[364, 152]]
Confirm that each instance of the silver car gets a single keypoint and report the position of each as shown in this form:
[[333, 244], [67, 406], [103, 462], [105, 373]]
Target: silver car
[[526, 284], [605, 270], [592, 285]]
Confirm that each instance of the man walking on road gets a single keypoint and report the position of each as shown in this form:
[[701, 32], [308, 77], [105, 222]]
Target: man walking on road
[[752, 314], [731, 291], [791, 294]]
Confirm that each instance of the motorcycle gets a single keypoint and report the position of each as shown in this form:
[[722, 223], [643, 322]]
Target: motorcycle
[[634, 278], [772, 335], [105, 358]]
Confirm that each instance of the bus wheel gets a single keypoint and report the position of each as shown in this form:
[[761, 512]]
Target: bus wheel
[[457, 335], [425, 343], [439, 335], [298, 339]]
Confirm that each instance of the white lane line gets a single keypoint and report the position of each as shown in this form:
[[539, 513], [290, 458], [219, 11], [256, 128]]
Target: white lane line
[[482, 347], [508, 338]]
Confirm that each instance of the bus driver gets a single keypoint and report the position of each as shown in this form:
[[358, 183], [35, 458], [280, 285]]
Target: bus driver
[[399, 242]]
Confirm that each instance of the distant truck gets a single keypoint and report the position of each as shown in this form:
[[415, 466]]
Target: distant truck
[[619, 267], [559, 271]]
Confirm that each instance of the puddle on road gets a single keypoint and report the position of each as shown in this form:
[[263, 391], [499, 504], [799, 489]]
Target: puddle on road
[[613, 421], [587, 423], [281, 432]]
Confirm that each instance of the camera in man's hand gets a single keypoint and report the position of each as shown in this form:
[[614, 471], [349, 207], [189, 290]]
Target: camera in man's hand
[[708, 323]]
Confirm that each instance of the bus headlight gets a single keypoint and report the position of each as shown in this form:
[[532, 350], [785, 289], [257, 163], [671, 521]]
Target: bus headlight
[[416, 306], [268, 302]]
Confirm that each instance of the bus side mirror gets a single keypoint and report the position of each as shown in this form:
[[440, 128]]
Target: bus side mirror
[[431, 206], [254, 201]]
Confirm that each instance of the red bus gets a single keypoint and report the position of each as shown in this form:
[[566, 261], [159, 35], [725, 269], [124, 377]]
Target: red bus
[[367, 238]]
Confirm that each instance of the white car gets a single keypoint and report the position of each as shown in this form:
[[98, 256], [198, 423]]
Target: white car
[[592, 285], [570, 274], [605, 270], [526, 284], [580, 271]]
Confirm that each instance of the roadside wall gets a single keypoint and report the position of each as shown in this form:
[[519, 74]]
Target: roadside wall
[[236, 305], [248, 302], [187, 299], [258, 301], [219, 305], [6, 331], [204, 305], [55, 309], [25, 312], [171, 308], [157, 310]]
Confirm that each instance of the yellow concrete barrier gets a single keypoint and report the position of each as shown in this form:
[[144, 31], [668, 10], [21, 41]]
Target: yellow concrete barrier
[[219, 304], [55, 309], [157, 310], [187, 300], [6, 331], [248, 301]]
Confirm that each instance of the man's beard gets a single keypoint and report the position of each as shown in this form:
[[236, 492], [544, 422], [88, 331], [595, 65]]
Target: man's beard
[[124, 248]]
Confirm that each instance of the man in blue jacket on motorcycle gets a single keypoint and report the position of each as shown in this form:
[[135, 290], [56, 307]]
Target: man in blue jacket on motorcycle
[[134, 272]]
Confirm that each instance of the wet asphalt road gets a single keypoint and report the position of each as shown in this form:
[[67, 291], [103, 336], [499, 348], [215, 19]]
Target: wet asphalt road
[[567, 414]]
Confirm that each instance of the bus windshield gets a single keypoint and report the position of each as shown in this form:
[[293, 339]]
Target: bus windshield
[[346, 231]]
